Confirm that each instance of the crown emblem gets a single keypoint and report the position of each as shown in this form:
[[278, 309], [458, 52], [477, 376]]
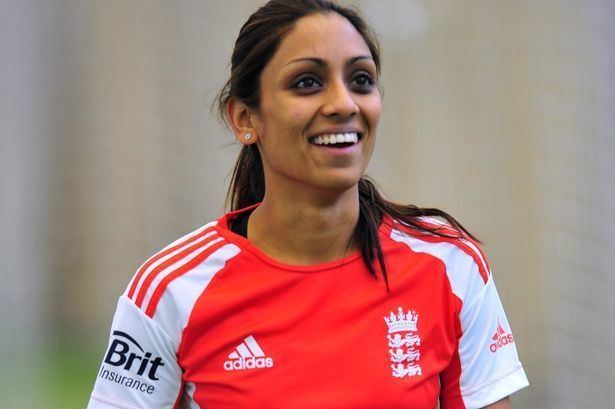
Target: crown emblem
[[402, 321]]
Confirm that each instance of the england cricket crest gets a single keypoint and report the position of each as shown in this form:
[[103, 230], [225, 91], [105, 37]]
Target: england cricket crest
[[404, 343]]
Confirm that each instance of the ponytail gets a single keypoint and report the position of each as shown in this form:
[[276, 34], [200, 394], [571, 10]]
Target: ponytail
[[247, 185], [372, 210]]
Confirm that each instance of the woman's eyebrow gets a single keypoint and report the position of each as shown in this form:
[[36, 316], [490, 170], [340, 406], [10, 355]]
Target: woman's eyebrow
[[318, 61], [323, 63]]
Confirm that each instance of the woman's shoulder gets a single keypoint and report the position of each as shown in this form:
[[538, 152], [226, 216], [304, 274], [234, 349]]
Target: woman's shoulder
[[426, 227], [167, 285], [461, 254]]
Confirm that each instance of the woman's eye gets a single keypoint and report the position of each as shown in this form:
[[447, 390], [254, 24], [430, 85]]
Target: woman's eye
[[306, 83], [363, 82]]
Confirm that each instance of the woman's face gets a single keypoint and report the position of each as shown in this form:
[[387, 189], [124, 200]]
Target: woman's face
[[319, 106]]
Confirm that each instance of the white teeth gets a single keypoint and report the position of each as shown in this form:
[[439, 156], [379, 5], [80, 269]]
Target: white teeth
[[330, 139]]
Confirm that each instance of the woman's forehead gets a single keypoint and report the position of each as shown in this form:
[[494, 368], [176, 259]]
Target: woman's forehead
[[324, 36]]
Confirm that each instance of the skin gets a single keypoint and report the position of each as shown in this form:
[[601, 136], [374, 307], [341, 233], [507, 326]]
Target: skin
[[321, 79], [502, 404]]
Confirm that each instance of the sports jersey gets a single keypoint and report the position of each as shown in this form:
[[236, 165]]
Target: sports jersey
[[212, 322]]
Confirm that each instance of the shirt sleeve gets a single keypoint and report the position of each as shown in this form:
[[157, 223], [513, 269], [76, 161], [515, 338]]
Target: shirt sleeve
[[140, 368], [486, 367]]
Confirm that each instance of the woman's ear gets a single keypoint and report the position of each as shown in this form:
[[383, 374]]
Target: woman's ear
[[241, 118]]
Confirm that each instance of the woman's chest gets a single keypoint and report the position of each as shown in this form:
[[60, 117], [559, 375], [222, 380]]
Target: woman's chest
[[301, 345]]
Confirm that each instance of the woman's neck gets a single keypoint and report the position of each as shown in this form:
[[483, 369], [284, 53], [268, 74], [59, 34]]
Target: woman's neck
[[305, 229]]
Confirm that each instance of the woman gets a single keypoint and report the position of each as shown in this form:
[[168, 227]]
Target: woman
[[314, 292]]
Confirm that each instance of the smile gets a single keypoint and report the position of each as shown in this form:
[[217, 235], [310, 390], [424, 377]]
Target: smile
[[336, 139]]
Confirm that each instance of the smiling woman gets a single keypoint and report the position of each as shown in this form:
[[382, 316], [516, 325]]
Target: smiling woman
[[314, 291]]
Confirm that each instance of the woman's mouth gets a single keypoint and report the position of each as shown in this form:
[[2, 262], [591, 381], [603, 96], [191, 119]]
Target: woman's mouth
[[336, 140]]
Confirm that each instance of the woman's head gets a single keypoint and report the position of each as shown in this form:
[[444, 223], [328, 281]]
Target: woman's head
[[302, 69]]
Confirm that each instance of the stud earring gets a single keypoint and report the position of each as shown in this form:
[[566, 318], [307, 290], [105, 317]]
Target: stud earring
[[248, 136]]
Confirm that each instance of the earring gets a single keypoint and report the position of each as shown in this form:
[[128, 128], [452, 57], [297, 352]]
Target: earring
[[248, 136]]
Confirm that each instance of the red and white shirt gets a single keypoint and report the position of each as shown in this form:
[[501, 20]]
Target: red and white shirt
[[212, 322]]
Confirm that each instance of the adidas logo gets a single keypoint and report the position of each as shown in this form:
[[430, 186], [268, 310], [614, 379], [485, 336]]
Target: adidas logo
[[247, 355], [501, 338]]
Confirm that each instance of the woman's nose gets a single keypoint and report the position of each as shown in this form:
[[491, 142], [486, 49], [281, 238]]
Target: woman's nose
[[339, 101]]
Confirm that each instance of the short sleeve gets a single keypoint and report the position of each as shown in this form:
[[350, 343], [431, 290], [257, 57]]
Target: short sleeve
[[139, 368], [486, 367]]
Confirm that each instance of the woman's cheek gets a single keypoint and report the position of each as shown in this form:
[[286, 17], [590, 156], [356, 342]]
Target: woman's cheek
[[374, 109], [298, 113]]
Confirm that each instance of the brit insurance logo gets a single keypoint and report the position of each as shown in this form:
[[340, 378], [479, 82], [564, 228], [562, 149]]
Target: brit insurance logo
[[126, 354], [404, 343], [501, 338], [247, 355]]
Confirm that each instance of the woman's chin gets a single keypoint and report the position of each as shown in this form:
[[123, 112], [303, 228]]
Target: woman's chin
[[338, 182], [328, 182]]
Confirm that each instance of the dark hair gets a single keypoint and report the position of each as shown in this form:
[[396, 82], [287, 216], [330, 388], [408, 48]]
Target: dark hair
[[256, 44]]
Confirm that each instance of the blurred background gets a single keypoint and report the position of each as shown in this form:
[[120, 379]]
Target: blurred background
[[500, 112]]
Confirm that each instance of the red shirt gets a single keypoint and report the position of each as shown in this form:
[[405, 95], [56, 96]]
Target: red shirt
[[212, 322]]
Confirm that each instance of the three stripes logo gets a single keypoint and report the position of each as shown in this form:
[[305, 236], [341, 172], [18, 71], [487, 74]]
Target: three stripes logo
[[247, 355]]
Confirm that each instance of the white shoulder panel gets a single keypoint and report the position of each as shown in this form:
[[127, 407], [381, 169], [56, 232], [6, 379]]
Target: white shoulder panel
[[169, 251], [175, 306], [139, 369], [461, 270]]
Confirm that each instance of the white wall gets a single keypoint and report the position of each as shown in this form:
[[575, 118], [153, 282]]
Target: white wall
[[502, 113]]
